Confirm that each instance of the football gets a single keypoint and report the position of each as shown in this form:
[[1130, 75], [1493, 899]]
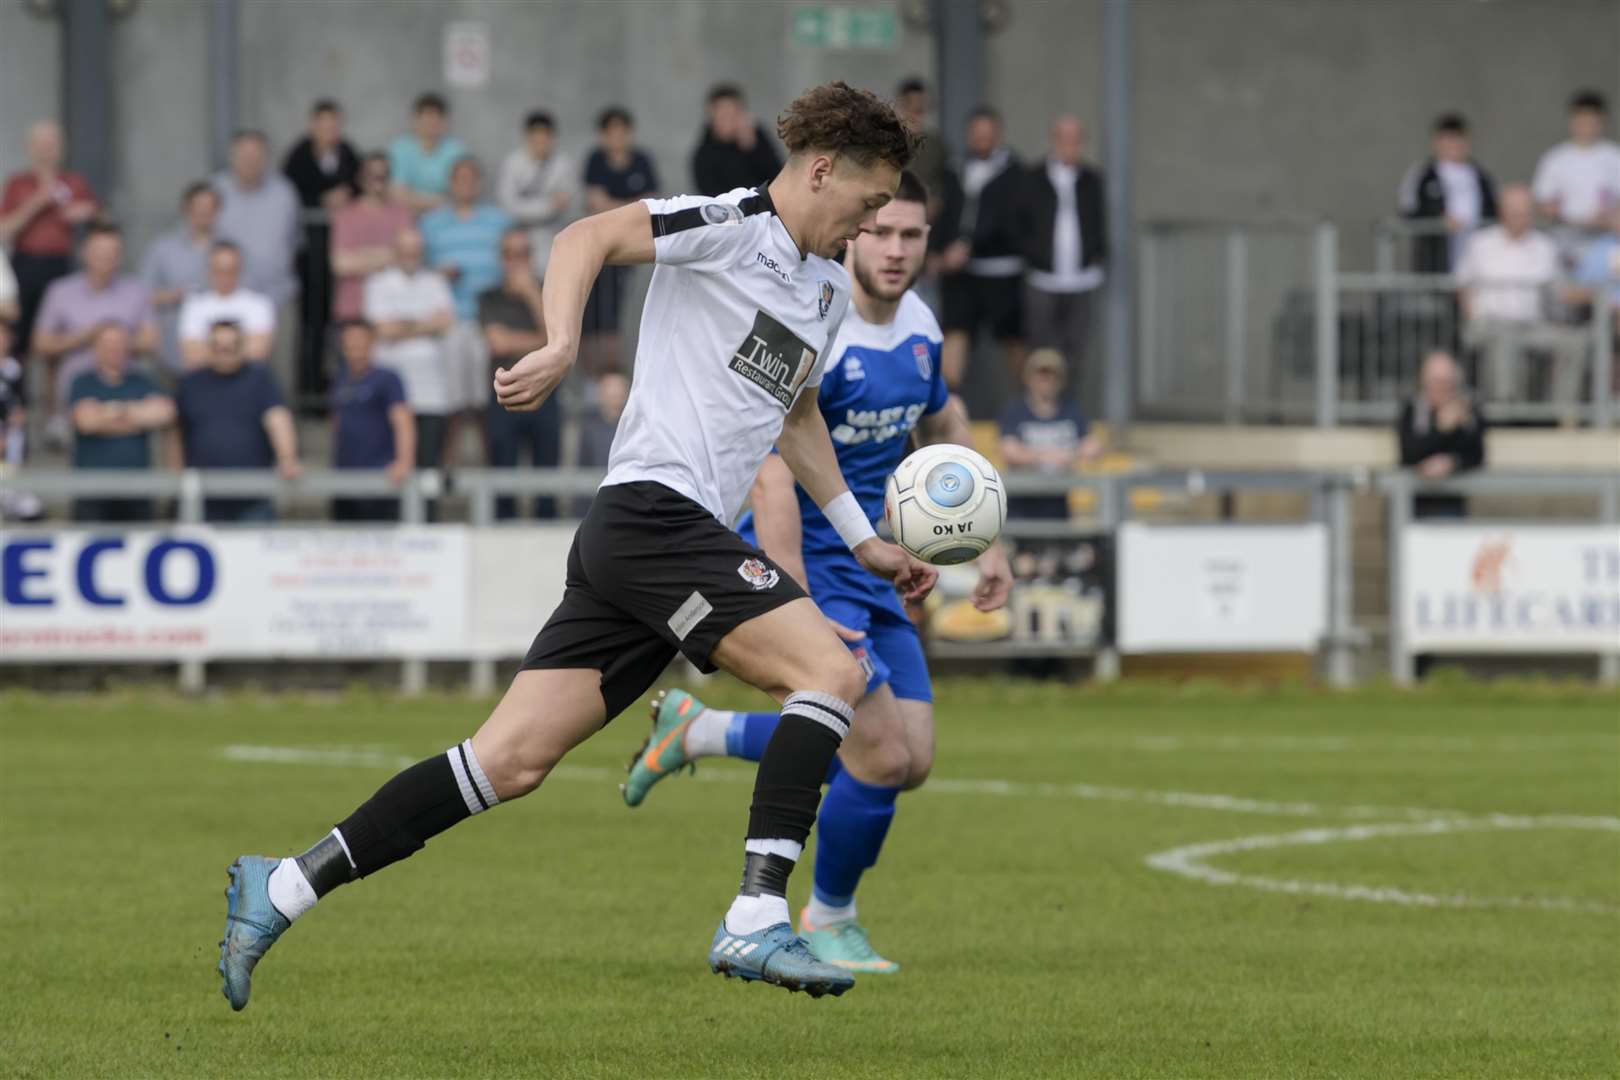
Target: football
[[945, 504]]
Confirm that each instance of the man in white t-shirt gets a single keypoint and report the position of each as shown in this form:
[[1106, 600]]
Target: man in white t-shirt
[[744, 305], [225, 301], [1577, 182], [1506, 275], [412, 309]]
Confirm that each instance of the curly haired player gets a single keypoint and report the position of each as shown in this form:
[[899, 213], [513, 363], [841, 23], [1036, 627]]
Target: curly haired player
[[746, 299]]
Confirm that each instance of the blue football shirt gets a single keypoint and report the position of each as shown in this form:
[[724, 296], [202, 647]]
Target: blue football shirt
[[881, 380]]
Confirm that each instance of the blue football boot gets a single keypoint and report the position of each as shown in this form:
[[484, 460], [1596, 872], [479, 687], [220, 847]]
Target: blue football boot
[[252, 925], [777, 956]]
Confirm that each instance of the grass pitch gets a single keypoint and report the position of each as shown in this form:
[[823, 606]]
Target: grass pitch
[[1137, 881]]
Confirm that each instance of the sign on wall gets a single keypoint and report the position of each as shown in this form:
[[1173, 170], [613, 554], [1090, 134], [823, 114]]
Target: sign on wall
[[844, 26], [1222, 588], [1482, 588], [76, 594], [466, 54]]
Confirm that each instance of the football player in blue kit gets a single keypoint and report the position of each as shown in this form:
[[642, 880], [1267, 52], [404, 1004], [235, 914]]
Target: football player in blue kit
[[883, 386]]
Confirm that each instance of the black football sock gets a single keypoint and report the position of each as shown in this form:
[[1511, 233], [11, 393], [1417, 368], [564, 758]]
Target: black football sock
[[407, 812], [787, 788]]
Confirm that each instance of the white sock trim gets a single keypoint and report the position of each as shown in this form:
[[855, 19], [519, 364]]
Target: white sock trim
[[835, 713], [347, 854], [751, 913], [485, 788], [706, 734], [475, 788], [290, 892], [788, 849], [819, 914]]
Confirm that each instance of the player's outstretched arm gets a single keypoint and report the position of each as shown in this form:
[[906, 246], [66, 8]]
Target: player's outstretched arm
[[950, 425], [808, 452], [776, 518], [620, 237]]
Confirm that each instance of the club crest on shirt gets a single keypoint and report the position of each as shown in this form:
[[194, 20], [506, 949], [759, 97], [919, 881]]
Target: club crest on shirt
[[925, 366], [757, 574], [721, 214], [824, 300]]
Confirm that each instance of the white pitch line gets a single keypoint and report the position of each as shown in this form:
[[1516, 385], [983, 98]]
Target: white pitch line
[[371, 757], [1191, 861], [1306, 744]]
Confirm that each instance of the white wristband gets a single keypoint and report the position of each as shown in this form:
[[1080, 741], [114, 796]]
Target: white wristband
[[849, 519]]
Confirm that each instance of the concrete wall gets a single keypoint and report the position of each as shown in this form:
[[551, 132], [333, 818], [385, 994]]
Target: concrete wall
[[30, 76], [1308, 108], [1244, 107]]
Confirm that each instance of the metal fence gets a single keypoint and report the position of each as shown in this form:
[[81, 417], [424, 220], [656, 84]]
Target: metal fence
[[1329, 499], [1256, 323]]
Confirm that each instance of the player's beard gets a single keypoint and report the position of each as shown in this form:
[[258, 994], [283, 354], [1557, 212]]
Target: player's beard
[[869, 282]]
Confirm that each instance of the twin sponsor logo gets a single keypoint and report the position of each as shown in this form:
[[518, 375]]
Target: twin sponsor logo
[[762, 259], [774, 359], [758, 574]]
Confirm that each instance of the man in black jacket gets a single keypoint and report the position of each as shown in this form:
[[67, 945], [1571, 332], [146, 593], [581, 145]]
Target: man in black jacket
[[1442, 433], [326, 171], [735, 152], [1065, 246], [1447, 187], [984, 263]]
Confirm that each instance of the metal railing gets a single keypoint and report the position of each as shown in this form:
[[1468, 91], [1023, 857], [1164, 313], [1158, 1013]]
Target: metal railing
[[1329, 501], [1256, 323]]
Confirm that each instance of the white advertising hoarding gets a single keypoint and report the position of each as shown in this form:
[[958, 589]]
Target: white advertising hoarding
[[518, 576], [1506, 588], [192, 592], [1222, 588]]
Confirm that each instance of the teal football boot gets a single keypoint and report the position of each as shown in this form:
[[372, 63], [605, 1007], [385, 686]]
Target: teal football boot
[[777, 956], [252, 925], [664, 752]]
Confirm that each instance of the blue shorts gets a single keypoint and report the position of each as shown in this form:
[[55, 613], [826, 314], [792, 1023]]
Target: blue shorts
[[891, 652]]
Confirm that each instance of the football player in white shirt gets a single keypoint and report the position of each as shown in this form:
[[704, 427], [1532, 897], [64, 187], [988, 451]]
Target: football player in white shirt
[[744, 303]]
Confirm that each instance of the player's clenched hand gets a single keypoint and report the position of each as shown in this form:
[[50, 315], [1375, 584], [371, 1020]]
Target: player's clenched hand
[[845, 633], [525, 385], [995, 579], [914, 579]]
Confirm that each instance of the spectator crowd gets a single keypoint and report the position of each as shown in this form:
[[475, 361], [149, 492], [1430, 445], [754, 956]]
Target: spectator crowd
[[1530, 260], [381, 288]]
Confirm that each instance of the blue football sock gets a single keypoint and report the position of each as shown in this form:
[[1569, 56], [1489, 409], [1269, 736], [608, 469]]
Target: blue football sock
[[748, 733], [850, 829]]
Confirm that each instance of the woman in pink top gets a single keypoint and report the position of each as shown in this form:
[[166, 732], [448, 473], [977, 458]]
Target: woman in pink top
[[363, 235]]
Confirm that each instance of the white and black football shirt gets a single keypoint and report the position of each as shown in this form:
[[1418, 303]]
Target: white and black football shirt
[[736, 326]]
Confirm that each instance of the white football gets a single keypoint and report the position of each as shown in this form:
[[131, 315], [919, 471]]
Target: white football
[[945, 504]]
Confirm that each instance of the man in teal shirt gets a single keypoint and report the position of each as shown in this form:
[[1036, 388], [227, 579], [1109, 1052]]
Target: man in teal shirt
[[463, 242], [114, 411], [420, 162]]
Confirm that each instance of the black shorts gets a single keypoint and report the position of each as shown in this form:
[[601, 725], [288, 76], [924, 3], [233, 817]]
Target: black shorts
[[652, 573], [970, 301]]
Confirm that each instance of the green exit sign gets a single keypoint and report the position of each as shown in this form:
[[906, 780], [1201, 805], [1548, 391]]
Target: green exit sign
[[844, 26]]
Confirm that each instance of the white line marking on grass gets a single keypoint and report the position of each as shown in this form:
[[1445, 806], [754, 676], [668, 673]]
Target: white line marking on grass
[[1192, 861], [371, 757], [1302, 744]]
